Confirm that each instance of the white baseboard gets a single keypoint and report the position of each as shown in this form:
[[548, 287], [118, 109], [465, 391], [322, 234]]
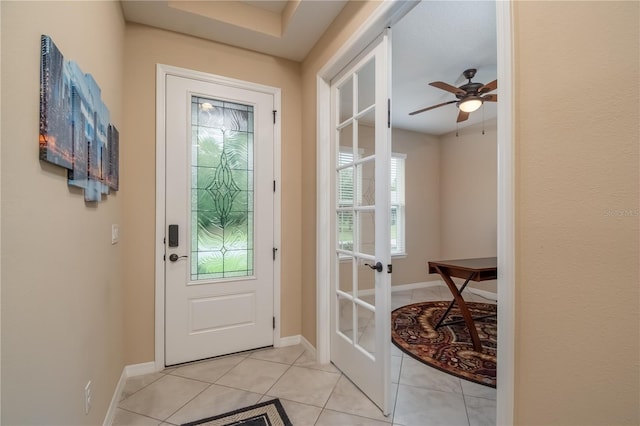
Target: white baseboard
[[140, 369], [308, 346], [296, 340], [439, 283], [483, 293], [413, 286], [401, 287], [287, 341], [128, 371], [111, 412]]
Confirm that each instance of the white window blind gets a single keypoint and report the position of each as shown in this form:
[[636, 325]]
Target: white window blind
[[397, 204], [345, 177]]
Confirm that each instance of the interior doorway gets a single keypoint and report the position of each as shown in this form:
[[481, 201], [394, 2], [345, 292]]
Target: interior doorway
[[504, 229]]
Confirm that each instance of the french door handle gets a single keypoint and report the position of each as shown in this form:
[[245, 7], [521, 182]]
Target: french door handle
[[174, 257], [377, 266]]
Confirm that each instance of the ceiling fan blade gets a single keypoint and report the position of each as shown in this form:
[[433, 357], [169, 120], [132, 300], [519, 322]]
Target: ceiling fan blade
[[462, 116], [431, 107], [490, 98], [449, 88], [489, 87]]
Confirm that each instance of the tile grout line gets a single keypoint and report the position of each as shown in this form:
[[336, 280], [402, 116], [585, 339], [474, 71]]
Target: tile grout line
[[144, 387], [466, 410], [324, 406], [395, 401], [280, 377], [140, 414], [215, 383], [186, 403]]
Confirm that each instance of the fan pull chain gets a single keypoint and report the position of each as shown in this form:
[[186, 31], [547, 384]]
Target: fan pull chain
[[483, 119]]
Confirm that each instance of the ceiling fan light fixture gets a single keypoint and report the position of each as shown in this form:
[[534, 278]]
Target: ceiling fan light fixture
[[470, 104]]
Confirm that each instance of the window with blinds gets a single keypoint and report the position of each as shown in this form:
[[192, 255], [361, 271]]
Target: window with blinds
[[398, 246], [346, 181]]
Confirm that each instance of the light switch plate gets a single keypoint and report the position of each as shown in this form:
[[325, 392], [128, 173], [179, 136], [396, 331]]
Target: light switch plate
[[115, 233]]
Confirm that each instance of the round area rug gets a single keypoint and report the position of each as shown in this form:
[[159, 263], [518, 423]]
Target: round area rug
[[448, 348]]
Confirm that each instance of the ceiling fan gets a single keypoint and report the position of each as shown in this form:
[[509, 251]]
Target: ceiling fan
[[470, 96]]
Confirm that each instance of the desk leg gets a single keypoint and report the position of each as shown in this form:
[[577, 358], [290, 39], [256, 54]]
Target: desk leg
[[453, 302], [457, 297]]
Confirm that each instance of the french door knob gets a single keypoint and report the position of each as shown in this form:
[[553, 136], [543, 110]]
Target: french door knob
[[377, 266]]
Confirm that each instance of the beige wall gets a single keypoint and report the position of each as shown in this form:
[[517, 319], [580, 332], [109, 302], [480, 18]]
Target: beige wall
[[577, 328], [422, 197], [146, 47], [469, 188], [61, 277]]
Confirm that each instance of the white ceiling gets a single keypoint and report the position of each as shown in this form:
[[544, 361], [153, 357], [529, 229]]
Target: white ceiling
[[287, 33], [435, 41]]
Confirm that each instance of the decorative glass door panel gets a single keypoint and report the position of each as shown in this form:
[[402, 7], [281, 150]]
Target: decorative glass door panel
[[222, 189]]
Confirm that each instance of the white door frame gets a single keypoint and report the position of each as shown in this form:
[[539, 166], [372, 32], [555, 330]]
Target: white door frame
[[161, 72], [386, 14]]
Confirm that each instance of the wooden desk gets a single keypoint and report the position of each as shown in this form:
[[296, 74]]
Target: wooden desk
[[480, 269]]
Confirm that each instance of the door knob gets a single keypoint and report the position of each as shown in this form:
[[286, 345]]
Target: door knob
[[174, 257], [377, 266]]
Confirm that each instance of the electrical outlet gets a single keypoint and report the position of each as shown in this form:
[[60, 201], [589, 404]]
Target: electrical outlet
[[87, 397]]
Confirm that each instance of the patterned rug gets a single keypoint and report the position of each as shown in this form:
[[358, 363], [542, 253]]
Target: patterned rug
[[448, 348], [269, 413]]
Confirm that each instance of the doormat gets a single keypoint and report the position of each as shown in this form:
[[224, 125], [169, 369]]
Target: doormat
[[449, 348], [269, 413]]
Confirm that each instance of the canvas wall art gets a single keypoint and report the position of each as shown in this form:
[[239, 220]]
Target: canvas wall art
[[75, 127]]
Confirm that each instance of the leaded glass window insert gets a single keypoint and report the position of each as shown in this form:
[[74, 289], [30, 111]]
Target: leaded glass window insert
[[222, 193]]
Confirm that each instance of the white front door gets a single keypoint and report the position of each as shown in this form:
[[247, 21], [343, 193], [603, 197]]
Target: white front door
[[360, 288], [219, 244]]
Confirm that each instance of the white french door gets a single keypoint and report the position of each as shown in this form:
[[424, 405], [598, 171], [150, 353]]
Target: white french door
[[219, 214], [360, 285]]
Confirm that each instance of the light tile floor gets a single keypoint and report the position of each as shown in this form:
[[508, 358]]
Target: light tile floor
[[312, 394]]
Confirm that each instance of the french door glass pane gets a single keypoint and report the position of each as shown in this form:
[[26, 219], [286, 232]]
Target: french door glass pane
[[366, 85], [366, 281], [345, 274], [366, 232], [366, 183], [221, 189], [366, 134], [345, 230], [345, 317], [366, 329], [345, 102]]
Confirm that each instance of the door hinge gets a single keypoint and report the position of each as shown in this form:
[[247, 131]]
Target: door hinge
[[389, 113], [274, 253], [274, 323], [389, 268], [274, 116]]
